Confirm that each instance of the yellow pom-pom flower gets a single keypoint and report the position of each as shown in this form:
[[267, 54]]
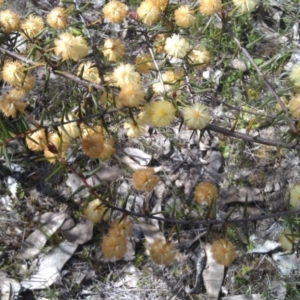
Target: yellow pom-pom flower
[[37, 141], [115, 11], [114, 247], [161, 4], [210, 7], [132, 95], [57, 18], [295, 75], [196, 116], [245, 6], [184, 16], [144, 63], [162, 113], [134, 129], [93, 144], [177, 46], [70, 130], [32, 26], [95, 211], [162, 253], [223, 252], [70, 47], [113, 49], [294, 106], [11, 103], [148, 12], [171, 82], [121, 226], [125, 74], [9, 21], [89, 71], [295, 196], [108, 149], [199, 57], [145, 179], [13, 72], [288, 239], [206, 193]]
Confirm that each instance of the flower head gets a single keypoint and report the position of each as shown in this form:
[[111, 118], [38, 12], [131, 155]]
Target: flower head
[[199, 57], [69, 130], [162, 253], [57, 18], [145, 179], [37, 140], [295, 75], [162, 113], [245, 6], [196, 116], [96, 211], [121, 226], [210, 7], [32, 26], [206, 192], [294, 106], [177, 46], [184, 16], [70, 47], [144, 63], [223, 252], [159, 42], [171, 82], [132, 95], [115, 11], [9, 20], [161, 4], [92, 144], [125, 74], [56, 147], [148, 12], [134, 129], [114, 247], [113, 49], [89, 71], [108, 149], [11, 102], [295, 196], [288, 239]]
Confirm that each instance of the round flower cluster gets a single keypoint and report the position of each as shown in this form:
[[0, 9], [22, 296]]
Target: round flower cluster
[[114, 11], [196, 116], [145, 179], [89, 72], [114, 245], [32, 26], [210, 7], [177, 46], [206, 193], [184, 16], [57, 18], [245, 6], [223, 252], [162, 253], [96, 211]]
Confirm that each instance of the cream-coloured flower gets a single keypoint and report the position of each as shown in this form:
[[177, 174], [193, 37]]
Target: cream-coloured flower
[[134, 129], [223, 252], [113, 49], [184, 16], [37, 141], [159, 42], [162, 253], [115, 11], [144, 63], [162, 4], [145, 179], [125, 74], [148, 12], [196, 116], [93, 144], [132, 95], [294, 106], [295, 196], [108, 149], [199, 57], [177, 46], [288, 240], [162, 113], [171, 81], [295, 75], [245, 6], [57, 18], [70, 130], [89, 71], [9, 20], [114, 246], [32, 26], [56, 147], [96, 211], [210, 7], [11, 103], [121, 226], [70, 47]]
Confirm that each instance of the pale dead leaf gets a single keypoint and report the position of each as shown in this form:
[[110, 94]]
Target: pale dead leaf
[[50, 267], [9, 288], [213, 274], [79, 234], [138, 155], [36, 241]]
